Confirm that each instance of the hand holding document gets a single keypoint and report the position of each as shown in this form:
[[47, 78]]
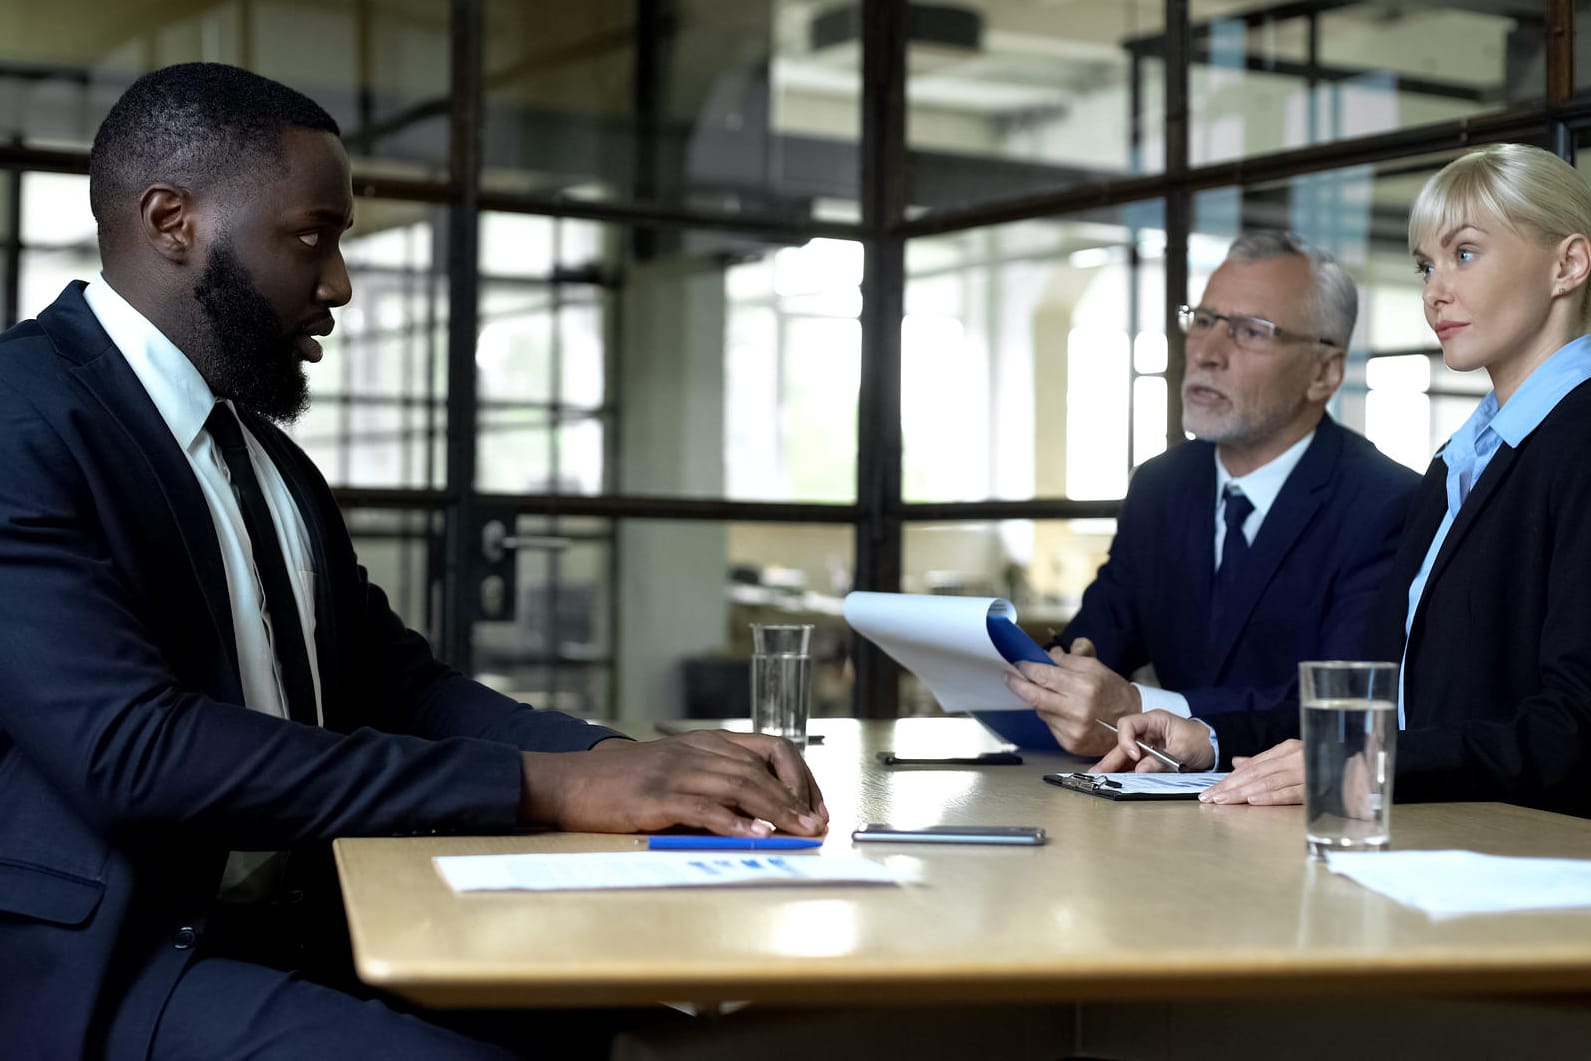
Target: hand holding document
[[948, 643], [961, 648], [601, 870]]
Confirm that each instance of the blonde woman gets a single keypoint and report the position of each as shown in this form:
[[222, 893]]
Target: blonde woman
[[1489, 600]]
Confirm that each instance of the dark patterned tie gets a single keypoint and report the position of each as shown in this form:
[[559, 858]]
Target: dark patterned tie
[[1234, 555], [287, 634]]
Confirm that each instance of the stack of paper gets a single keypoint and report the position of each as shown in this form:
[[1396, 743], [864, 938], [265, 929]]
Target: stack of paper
[[1455, 883]]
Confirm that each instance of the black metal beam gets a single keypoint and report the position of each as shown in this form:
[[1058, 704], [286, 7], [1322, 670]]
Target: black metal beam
[[786, 229], [630, 506], [1178, 207], [11, 231], [1559, 46], [463, 258], [1038, 508], [876, 693], [1518, 123]]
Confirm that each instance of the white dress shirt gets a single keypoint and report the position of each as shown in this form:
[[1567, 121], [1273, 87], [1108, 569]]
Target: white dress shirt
[[184, 401], [1261, 486]]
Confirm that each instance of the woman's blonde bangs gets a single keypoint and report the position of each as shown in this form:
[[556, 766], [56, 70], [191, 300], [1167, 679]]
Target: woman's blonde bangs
[[1532, 192], [1460, 194]]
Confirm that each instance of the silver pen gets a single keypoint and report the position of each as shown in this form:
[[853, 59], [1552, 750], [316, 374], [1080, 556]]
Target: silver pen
[[1156, 752]]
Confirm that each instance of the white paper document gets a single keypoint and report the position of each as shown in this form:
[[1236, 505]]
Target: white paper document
[[1162, 784], [1455, 883], [944, 641], [654, 869]]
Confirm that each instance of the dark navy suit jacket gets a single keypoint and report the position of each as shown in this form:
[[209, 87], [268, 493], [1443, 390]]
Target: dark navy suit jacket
[[1497, 678], [128, 767], [1312, 574]]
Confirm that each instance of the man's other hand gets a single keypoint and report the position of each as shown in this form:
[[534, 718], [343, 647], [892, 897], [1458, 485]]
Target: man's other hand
[[1184, 739], [1071, 695], [733, 784]]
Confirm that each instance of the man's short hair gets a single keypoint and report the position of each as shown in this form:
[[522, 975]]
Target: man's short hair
[[1336, 301], [192, 125]]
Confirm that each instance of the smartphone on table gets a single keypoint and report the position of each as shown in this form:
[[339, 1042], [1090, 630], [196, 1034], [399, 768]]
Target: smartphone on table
[[1024, 835]]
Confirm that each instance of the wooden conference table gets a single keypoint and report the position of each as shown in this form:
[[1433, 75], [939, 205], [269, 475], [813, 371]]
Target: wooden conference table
[[1163, 901]]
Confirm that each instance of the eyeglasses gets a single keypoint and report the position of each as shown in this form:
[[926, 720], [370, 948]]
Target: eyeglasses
[[1248, 333]]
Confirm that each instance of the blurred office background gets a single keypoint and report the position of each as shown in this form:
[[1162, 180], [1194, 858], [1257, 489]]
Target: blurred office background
[[673, 315]]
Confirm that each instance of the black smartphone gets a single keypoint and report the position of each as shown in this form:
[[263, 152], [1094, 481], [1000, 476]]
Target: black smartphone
[[1028, 835], [986, 759]]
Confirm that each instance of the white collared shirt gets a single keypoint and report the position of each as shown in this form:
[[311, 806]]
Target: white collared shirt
[[184, 401], [1261, 486]]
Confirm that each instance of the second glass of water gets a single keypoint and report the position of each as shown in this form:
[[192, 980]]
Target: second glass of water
[[781, 680], [1350, 724]]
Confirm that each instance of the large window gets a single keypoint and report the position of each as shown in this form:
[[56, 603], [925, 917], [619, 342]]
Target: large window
[[379, 414], [1010, 98], [1033, 358], [1269, 76], [651, 364], [380, 67], [735, 107]]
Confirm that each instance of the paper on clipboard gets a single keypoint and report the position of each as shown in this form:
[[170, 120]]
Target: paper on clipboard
[[1138, 786]]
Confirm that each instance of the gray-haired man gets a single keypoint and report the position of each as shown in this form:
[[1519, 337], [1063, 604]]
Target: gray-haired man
[[1259, 544]]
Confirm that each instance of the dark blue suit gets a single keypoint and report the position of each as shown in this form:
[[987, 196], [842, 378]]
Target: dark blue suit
[[1306, 589], [128, 768]]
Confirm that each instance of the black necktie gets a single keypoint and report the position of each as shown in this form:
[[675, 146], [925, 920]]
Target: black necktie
[[1234, 555], [287, 634], [1234, 550]]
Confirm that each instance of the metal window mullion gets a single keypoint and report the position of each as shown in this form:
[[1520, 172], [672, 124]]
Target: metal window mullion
[[466, 117], [1178, 207], [876, 693]]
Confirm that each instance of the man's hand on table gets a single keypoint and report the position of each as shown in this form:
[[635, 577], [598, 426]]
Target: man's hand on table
[[1073, 694], [710, 779]]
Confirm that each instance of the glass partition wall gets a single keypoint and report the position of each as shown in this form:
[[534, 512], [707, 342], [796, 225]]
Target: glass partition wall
[[674, 315]]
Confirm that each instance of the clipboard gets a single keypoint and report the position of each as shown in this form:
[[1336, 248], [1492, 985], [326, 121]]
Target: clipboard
[[1131, 787]]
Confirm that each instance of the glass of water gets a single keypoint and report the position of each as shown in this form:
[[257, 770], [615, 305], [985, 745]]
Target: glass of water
[[781, 680], [1350, 723]]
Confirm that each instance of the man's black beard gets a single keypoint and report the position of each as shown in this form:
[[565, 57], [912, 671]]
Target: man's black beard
[[246, 356]]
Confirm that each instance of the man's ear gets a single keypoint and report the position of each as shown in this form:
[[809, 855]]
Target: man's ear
[[168, 221], [1328, 375]]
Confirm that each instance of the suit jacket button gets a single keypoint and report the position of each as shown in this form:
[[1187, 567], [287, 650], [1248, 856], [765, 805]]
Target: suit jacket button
[[185, 938]]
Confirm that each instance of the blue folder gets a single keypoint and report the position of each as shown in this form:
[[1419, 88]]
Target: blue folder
[[1023, 728]]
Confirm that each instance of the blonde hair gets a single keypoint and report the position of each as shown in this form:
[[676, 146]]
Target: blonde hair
[[1534, 192]]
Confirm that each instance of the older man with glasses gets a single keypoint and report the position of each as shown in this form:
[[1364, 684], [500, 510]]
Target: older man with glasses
[[1262, 542]]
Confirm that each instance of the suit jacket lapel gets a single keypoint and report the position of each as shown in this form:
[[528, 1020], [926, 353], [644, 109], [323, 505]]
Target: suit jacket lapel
[[100, 367], [1294, 510], [1480, 496], [1384, 638]]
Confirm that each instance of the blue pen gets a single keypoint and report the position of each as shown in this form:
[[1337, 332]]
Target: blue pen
[[729, 843]]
